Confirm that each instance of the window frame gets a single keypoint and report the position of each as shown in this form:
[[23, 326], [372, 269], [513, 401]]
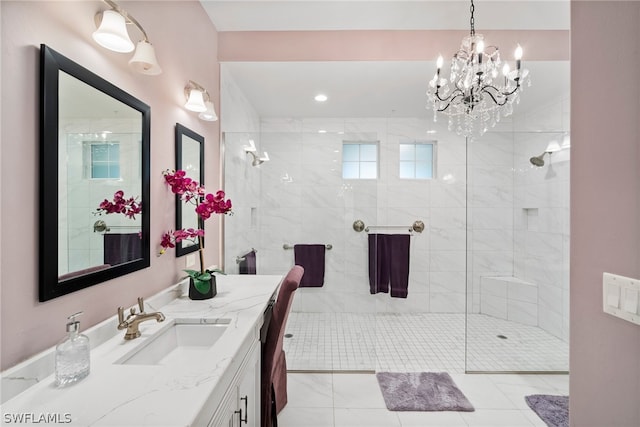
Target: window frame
[[88, 158], [376, 144], [434, 158]]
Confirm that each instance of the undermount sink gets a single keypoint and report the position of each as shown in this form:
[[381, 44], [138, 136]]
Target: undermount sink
[[180, 340]]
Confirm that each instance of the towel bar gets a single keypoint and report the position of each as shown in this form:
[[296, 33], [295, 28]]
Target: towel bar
[[418, 226], [288, 246], [100, 226]]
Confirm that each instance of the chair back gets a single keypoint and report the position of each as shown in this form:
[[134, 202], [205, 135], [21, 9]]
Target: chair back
[[275, 332]]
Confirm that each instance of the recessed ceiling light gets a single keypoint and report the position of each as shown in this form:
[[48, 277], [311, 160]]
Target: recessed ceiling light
[[321, 97], [431, 131], [322, 131]]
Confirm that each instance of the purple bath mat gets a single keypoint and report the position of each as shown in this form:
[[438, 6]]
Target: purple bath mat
[[421, 391], [553, 410]]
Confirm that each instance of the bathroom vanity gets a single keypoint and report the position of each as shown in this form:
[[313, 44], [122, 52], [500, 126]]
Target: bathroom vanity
[[199, 367]]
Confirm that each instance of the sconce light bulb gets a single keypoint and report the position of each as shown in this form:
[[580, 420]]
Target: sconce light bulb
[[210, 114], [144, 59], [195, 101], [112, 33]]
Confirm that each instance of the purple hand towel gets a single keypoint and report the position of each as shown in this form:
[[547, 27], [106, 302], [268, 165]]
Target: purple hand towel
[[248, 265], [389, 264], [311, 258], [121, 248]]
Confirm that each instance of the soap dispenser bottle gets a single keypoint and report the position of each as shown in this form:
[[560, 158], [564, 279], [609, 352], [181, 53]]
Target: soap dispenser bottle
[[72, 355]]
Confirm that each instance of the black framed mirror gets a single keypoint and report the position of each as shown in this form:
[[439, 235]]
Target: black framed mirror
[[189, 158], [94, 144]]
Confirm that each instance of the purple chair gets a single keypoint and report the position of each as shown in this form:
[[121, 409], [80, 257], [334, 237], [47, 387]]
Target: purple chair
[[274, 365]]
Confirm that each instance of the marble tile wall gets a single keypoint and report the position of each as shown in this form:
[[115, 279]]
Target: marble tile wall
[[490, 198], [239, 123], [541, 228], [299, 196]]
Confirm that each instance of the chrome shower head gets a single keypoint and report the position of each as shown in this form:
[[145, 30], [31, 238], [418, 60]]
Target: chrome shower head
[[538, 160], [257, 161]]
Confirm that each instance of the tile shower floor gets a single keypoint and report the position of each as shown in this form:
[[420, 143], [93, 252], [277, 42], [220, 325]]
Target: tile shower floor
[[418, 342]]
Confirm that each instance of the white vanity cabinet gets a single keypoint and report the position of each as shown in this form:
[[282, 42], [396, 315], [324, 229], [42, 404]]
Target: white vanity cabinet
[[219, 388], [240, 406]]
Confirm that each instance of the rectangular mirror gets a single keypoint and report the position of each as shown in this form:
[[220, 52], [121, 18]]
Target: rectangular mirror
[[189, 158], [94, 145]]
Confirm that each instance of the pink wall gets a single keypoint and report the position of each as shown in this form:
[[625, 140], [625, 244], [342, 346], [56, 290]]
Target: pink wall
[[417, 45], [186, 46], [605, 209]]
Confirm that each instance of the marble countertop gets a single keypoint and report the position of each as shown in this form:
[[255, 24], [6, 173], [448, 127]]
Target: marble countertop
[[154, 395]]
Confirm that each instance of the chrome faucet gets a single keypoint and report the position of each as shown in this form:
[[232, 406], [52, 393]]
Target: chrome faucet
[[133, 320]]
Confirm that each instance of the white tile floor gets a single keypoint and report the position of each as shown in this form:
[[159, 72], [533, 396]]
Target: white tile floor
[[352, 400], [415, 342]]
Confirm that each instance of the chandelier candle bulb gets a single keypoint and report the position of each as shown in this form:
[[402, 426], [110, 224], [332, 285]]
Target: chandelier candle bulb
[[480, 50], [518, 56]]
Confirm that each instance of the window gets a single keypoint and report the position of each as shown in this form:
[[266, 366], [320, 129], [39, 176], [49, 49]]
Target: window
[[417, 160], [104, 160], [359, 160]]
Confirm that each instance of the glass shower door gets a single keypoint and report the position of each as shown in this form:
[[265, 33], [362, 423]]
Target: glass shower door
[[517, 254]]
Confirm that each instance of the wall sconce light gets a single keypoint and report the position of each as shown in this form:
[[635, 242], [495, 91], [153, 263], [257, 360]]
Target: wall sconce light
[[251, 149], [210, 114], [199, 100], [112, 34]]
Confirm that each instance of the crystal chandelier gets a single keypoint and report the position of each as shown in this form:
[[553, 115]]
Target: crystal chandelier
[[476, 96]]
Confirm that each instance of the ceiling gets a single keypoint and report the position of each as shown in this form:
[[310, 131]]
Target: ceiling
[[375, 89]]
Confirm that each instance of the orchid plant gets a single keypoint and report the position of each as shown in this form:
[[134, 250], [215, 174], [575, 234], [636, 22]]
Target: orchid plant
[[190, 191], [128, 207]]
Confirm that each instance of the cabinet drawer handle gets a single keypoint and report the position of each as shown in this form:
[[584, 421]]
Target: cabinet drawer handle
[[246, 410]]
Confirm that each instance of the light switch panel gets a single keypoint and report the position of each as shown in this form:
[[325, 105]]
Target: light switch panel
[[612, 295], [630, 301], [620, 297]]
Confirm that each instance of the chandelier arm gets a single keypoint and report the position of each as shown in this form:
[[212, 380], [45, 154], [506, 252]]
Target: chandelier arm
[[499, 104], [440, 110], [486, 88], [451, 96], [513, 91]]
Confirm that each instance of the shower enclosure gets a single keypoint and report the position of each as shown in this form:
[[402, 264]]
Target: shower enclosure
[[518, 252], [488, 282]]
